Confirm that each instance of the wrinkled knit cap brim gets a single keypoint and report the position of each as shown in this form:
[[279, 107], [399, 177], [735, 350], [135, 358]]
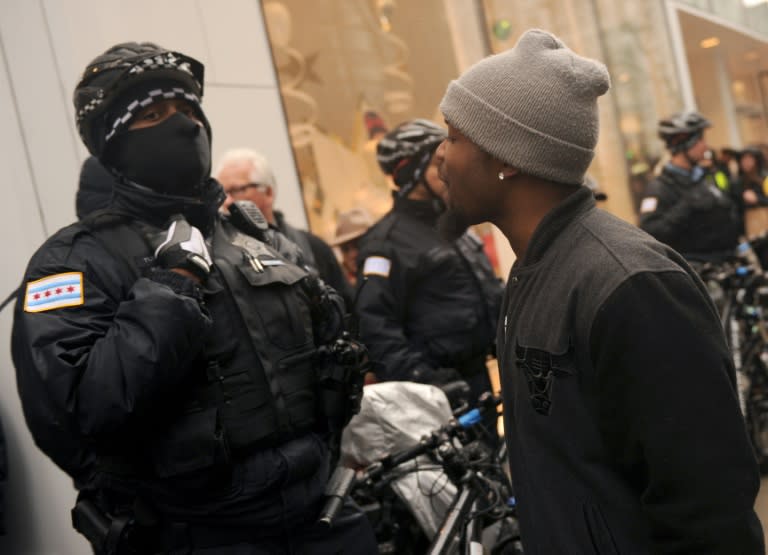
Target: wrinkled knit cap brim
[[533, 107]]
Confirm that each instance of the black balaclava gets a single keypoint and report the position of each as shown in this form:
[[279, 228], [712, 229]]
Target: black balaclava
[[163, 169], [171, 158]]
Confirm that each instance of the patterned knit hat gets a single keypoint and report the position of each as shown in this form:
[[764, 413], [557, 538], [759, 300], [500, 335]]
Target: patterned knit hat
[[126, 73], [533, 107], [123, 110]]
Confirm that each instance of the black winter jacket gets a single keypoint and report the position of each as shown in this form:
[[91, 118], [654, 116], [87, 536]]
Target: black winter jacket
[[621, 415], [437, 305], [94, 189], [695, 217], [102, 379]]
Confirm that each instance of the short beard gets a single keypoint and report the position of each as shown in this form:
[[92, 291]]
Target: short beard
[[452, 224]]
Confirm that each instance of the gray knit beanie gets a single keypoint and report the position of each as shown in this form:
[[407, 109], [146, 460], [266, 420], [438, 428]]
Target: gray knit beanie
[[533, 107]]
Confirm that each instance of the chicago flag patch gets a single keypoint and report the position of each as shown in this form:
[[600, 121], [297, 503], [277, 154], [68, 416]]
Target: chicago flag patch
[[56, 291]]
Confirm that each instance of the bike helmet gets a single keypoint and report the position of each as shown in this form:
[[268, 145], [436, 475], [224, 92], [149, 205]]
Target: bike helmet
[[405, 152], [682, 130], [99, 97]]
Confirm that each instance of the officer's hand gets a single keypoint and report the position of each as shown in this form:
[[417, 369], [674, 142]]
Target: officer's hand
[[181, 248], [750, 197]]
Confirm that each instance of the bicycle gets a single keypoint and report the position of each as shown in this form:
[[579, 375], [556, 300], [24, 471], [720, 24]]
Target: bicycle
[[481, 510], [740, 288]]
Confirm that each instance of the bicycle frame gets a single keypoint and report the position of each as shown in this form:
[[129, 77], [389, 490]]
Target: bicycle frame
[[454, 524]]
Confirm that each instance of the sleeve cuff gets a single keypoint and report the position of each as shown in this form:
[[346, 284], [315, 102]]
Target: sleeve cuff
[[179, 284]]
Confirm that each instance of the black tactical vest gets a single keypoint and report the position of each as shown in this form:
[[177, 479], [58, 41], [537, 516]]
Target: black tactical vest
[[269, 294], [263, 396]]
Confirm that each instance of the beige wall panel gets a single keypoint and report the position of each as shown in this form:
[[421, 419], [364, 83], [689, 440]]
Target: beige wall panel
[[238, 47], [43, 110]]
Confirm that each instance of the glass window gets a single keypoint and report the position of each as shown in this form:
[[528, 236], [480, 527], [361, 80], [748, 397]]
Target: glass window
[[349, 70], [630, 38]]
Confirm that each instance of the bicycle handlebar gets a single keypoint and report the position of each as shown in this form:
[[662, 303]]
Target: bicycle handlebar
[[336, 490], [344, 479], [487, 402]]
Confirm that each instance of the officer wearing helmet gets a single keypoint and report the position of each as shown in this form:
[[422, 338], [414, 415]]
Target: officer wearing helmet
[[169, 360], [427, 307], [686, 207]]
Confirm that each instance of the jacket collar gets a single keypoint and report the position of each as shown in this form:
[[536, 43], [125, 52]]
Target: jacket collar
[[144, 204], [424, 210], [684, 176], [572, 208]]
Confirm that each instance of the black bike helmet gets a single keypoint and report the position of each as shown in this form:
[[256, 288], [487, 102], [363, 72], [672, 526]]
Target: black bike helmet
[[120, 68], [682, 130], [405, 152]]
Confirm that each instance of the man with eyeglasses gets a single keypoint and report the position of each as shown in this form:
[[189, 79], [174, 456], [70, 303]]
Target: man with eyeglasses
[[246, 174]]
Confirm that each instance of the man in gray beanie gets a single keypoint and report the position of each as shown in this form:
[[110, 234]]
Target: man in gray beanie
[[621, 416]]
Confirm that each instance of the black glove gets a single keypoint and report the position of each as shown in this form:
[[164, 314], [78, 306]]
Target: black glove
[[182, 246]]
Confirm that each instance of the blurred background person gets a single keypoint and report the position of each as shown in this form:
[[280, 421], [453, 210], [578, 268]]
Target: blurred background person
[[684, 206], [729, 157], [427, 307], [246, 174], [351, 225], [753, 176]]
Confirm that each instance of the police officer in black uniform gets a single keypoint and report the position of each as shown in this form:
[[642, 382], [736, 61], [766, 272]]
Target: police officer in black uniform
[[427, 307], [169, 360], [687, 207]]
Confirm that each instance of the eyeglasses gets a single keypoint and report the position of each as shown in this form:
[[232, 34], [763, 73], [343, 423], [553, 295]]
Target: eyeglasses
[[240, 189]]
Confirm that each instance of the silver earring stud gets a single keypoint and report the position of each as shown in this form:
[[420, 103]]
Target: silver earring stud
[[501, 176]]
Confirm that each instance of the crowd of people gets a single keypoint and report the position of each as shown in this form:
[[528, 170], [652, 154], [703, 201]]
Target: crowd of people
[[698, 204], [183, 352]]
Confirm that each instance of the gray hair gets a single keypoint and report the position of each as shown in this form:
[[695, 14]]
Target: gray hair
[[261, 170]]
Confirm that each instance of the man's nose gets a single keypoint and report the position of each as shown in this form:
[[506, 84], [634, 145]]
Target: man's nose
[[440, 150], [173, 110]]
